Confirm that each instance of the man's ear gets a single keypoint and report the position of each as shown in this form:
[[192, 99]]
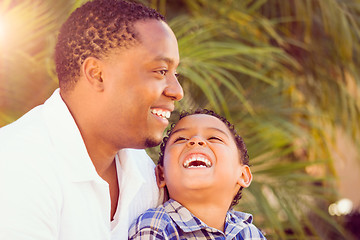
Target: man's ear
[[91, 70], [245, 177], [159, 173]]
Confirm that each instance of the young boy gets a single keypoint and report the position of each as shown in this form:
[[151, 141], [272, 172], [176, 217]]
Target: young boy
[[203, 165]]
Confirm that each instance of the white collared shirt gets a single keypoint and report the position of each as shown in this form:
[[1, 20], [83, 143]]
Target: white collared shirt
[[49, 188]]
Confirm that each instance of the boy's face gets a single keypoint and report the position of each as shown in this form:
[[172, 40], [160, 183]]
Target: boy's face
[[201, 155]]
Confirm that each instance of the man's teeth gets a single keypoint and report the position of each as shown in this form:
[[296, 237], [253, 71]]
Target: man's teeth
[[161, 113], [197, 162]]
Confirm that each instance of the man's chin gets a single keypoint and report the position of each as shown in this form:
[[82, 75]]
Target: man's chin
[[149, 143]]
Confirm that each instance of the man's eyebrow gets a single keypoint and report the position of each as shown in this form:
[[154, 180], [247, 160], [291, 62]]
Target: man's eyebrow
[[165, 59]]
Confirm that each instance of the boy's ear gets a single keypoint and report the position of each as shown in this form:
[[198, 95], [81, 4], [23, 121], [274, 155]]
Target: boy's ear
[[159, 173], [91, 69], [245, 177]]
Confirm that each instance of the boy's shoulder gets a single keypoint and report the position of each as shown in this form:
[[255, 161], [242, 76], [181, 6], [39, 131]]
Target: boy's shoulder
[[154, 217], [161, 216], [170, 217], [240, 223], [237, 216], [153, 222]]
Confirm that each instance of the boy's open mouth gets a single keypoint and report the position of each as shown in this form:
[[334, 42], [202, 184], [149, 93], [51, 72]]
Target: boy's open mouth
[[197, 161]]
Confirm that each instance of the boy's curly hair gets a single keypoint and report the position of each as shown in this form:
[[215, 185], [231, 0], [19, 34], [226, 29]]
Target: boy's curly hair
[[238, 140], [93, 30]]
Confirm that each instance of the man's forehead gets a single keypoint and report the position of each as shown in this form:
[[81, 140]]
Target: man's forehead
[[152, 28]]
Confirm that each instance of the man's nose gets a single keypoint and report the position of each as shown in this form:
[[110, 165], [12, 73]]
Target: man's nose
[[196, 141], [174, 89]]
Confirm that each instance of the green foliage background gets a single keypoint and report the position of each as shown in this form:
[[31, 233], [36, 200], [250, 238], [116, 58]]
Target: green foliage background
[[286, 73]]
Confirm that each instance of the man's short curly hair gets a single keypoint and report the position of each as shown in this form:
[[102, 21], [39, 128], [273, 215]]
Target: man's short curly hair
[[244, 157], [93, 30]]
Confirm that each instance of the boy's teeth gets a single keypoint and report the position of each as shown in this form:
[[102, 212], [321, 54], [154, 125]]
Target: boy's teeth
[[202, 162]]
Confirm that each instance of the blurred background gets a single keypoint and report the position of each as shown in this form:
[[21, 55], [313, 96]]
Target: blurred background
[[285, 72]]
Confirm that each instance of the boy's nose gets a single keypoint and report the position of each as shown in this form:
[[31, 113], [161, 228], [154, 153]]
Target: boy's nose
[[196, 141]]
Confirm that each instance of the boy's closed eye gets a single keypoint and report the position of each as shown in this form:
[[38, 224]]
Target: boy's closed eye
[[214, 138], [180, 139], [211, 139]]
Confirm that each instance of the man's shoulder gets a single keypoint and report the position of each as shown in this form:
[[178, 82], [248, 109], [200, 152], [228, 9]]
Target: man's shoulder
[[29, 127], [23, 132], [28, 121], [27, 144]]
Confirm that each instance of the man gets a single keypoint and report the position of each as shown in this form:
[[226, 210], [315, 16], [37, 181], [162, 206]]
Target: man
[[65, 170]]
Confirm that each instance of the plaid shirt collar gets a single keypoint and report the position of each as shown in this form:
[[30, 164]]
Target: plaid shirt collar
[[234, 222]]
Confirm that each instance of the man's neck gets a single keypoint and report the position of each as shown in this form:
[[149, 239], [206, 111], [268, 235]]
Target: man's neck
[[82, 104], [102, 154], [110, 176], [105, 166]]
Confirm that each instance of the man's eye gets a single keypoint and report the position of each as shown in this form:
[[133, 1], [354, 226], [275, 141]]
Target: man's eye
[[162, 72]]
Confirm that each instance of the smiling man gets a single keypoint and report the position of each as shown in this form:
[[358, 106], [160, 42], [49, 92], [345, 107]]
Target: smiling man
[[66, 170]]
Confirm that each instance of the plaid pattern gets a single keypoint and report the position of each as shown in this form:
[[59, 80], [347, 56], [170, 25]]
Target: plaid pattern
[[172, 221]]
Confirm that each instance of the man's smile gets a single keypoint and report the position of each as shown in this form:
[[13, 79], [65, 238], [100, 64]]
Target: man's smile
[[163, 113]]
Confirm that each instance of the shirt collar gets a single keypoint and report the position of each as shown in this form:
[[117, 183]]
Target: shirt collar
[[183, 217], [131, 177], [234, 221], [67, 140]]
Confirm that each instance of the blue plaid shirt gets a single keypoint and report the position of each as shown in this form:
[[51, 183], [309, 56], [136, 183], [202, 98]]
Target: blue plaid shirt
[[174, 222]]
